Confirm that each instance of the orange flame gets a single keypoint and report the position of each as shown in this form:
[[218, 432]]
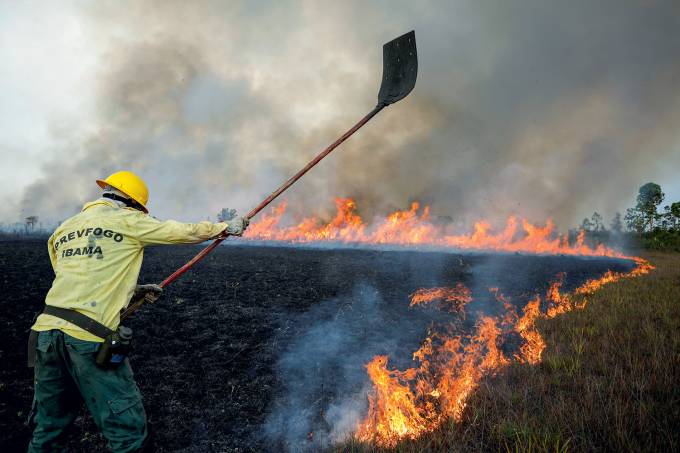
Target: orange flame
[[393, 408], [448, 366], [405, 404], [451, 299], [532, 349], [409, 403], [414, 227]]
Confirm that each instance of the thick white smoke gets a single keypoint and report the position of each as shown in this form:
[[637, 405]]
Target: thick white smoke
[[520, 107]]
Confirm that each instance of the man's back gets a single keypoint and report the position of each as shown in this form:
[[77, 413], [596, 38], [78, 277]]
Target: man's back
[[97, 255], [96, 259]]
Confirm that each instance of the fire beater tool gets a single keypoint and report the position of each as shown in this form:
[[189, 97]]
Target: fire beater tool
[[400, 69]]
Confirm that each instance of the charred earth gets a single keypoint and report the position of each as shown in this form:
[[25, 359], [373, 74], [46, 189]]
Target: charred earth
[[262, 348]]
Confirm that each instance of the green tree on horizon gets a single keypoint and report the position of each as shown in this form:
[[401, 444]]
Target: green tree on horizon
[[644, 216], [672, 215]]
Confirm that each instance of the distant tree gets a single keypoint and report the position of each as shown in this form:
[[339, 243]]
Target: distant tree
[[586, 225], [597, 222], [648, 199], [644, 215], [675, 209], [31, 221], [666, 218], [672, 215], [634, 220], [616, 225], [226, 215]]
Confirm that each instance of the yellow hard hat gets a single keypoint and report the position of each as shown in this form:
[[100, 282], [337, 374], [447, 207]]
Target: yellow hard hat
[[130, 184]]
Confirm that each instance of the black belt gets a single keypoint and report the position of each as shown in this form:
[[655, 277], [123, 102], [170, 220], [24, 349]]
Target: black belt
[[84, 322]]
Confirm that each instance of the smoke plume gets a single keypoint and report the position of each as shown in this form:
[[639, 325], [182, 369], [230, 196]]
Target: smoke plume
[[322, 375], [534, 108]]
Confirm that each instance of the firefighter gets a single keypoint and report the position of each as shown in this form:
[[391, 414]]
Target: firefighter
[[96, 256]]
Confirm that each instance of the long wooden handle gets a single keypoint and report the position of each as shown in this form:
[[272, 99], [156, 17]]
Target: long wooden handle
[[175, 275]]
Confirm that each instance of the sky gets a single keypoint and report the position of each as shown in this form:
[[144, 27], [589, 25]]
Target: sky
[[535, 108]]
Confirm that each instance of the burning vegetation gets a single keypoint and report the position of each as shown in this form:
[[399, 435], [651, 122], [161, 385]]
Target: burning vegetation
[[415, 227], [452, 299], [405, 404], [315, 331], [465, 341], [449, 363]]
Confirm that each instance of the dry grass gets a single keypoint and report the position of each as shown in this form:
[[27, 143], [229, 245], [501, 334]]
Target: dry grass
[[609, 380]]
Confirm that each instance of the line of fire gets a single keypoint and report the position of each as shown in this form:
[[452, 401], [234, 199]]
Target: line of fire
[[340, 226]]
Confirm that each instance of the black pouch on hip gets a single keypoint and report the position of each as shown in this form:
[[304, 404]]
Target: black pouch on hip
[[115, 348]]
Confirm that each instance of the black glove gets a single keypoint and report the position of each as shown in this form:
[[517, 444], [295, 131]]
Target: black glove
[[150, 293]]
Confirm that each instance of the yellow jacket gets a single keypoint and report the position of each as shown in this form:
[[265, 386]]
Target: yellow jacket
[[96, 256]]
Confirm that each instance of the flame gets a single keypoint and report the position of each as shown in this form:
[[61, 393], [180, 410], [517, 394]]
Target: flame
[[393, 409], [406, 404], [558, 303], [532, 349], [449, 365], [414, 227], [451, 299]]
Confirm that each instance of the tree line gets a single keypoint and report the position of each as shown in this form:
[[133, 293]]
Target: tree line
[[644, 224]]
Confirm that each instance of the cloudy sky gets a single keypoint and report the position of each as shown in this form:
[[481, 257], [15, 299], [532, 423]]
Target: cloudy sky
[[539, 108]]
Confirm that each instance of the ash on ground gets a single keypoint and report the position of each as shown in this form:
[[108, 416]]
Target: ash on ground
[[264, 348]]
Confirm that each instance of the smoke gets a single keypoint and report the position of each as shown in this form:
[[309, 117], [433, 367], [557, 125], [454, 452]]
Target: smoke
[[322, 374], [522, 108], [321, 388], [315, 370]]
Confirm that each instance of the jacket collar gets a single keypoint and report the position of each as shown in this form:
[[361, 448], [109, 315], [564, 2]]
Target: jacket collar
[[103, 201]]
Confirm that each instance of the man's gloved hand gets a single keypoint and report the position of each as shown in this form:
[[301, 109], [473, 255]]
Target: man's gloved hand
[[237, 226], [150, 292]]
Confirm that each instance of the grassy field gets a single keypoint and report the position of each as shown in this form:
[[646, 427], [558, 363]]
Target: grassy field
[[609, 380]]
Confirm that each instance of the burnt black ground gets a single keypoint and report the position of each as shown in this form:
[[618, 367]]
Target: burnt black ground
[[206, 354]]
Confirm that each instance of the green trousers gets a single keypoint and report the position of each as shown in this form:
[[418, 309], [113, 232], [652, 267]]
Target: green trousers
[[65, 376]]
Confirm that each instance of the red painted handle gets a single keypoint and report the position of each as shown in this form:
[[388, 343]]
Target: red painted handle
[[274, 194], [175, 275]]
